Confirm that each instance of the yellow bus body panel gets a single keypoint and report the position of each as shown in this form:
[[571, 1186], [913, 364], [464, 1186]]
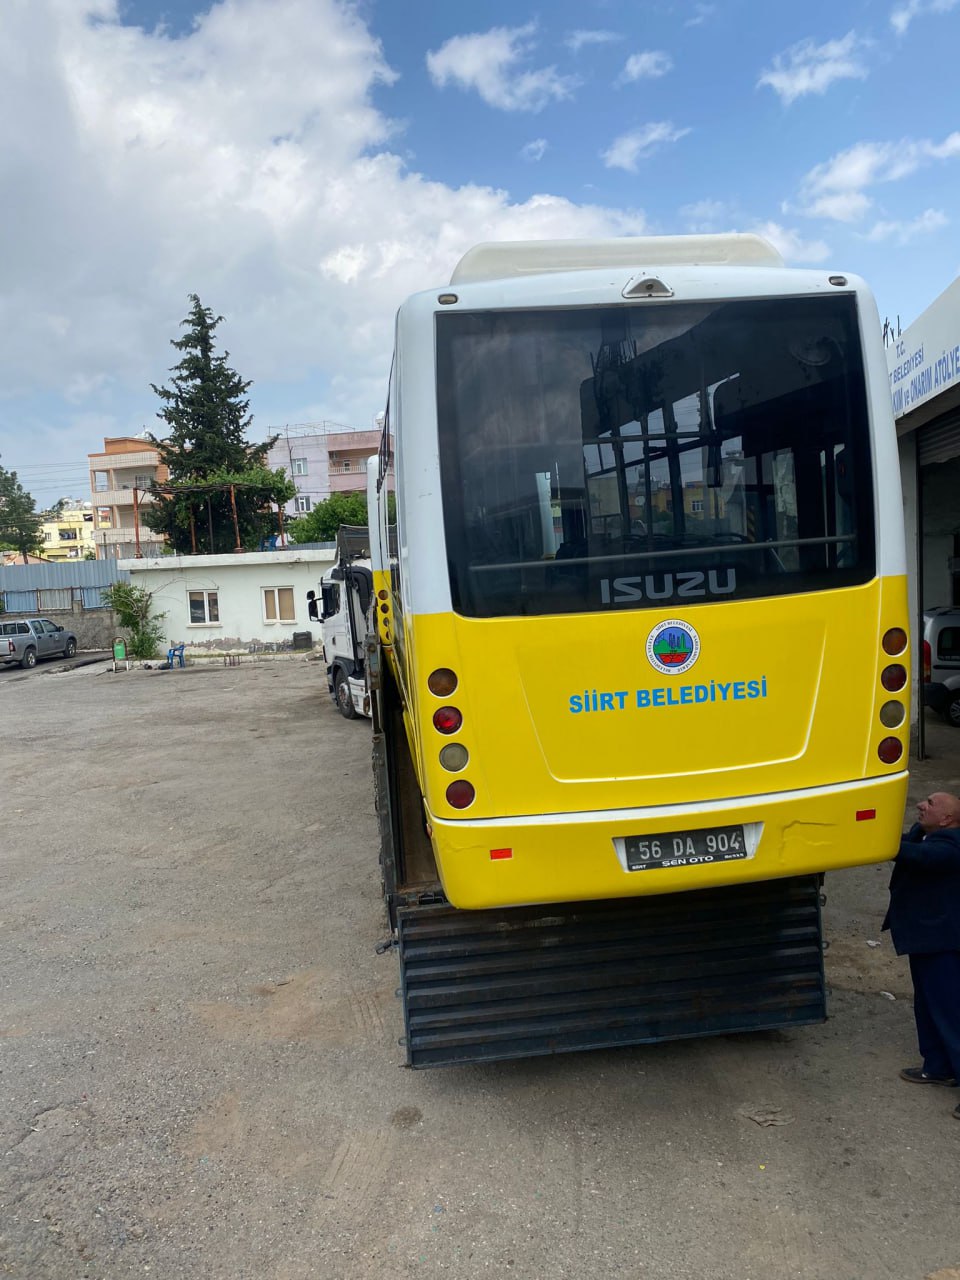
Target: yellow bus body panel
[[780, 725], [568, 861]]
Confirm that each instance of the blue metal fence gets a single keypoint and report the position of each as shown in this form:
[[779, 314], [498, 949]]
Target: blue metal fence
[[45, 588]]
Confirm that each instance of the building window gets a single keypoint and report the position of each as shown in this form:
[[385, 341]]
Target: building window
[[299, 466], [101, 481], [696, 505], [68, 535], [278, 605], [143, 482], [346, 464], [204, 607], [301, 502]]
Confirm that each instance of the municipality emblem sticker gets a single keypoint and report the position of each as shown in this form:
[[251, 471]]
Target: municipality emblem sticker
[[673, 647]]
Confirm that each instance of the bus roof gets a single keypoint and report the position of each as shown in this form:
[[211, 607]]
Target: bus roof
[[496, 260]]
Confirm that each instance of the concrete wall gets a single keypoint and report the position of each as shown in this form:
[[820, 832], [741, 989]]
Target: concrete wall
[[239, 582], [94, 628]]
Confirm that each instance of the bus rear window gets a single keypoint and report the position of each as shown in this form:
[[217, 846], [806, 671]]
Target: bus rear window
[[635, 456]]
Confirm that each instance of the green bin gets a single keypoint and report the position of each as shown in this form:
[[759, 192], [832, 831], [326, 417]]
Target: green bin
[[119, 651]]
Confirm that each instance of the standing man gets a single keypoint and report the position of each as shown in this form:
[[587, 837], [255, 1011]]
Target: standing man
[[924, 922]]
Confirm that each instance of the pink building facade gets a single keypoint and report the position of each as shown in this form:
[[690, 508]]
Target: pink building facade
[[323, 462]]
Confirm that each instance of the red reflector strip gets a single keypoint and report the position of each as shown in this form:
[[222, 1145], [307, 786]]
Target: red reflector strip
[[497, 854], [865, 815]]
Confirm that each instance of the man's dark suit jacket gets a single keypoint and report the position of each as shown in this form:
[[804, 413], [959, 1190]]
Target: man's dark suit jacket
[[924, 912]]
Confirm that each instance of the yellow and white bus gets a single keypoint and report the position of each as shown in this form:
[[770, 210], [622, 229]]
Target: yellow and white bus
[[642, 621]]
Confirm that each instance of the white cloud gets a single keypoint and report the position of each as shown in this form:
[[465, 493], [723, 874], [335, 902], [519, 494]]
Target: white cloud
[[791, 244], [700, 14], [706, 216], [534, 150], [649, 65], [811, 68], [839, 206], [904, 14], [576, 40], [626, 150], [491, 63], [903, 232], [244, 161], [836, 189]]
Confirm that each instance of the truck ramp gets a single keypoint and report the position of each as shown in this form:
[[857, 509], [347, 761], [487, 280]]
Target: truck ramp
[[480, 986]]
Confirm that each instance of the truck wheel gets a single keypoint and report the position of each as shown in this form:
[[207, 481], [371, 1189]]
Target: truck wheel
[[29, 658], [71, 649], [341, 691]]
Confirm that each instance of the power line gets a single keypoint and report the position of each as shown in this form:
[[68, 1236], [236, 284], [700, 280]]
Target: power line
[[53, 466]]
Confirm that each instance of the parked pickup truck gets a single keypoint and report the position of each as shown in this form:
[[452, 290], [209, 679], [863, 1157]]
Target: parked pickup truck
[[24, 640]]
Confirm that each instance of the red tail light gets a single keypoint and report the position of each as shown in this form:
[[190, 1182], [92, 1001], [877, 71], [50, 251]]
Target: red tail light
[[447, 719], [460, 794], [890, 750], [894, 677], [927, 660]]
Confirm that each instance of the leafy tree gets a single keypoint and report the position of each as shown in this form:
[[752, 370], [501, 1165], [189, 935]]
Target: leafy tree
[[325, 519], [207, 452], [19, 521], [134, 609], [322, 523]]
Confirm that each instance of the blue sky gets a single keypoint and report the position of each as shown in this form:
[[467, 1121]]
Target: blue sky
[[304, 165]]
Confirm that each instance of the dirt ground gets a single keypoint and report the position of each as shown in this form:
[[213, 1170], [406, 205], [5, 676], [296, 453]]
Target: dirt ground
[[199, 1069]]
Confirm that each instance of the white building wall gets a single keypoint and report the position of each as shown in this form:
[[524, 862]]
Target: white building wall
[[239, 582]]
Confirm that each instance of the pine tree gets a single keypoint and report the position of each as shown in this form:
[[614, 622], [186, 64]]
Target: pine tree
[[207, 453], [19, 521]]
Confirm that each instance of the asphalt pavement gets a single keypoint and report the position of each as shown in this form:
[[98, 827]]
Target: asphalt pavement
[[199, 1068]]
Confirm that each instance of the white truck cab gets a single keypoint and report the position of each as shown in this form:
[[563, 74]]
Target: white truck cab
[[346, 590]]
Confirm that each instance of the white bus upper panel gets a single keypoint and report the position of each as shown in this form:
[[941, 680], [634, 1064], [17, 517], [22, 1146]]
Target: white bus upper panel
[[414, 410], [501, 259]]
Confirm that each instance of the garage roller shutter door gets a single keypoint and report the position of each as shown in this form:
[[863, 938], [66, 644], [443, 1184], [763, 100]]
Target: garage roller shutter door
[[940, 441]]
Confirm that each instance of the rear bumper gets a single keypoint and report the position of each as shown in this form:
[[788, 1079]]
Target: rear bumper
[[576, 857]]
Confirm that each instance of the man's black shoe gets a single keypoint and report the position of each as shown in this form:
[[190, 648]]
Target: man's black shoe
[[917, 1075]]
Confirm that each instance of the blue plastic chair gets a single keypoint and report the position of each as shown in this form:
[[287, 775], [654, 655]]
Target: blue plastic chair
[[175, 655]]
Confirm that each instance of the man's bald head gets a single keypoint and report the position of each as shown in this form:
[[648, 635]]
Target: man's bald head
[[940, 811]]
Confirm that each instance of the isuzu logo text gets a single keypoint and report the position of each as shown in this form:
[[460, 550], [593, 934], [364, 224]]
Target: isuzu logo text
[[668, 586]]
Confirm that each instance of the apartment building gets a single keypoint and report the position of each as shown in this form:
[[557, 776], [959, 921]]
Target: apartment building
[[321, 462], [118, 475], [70, 534]]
